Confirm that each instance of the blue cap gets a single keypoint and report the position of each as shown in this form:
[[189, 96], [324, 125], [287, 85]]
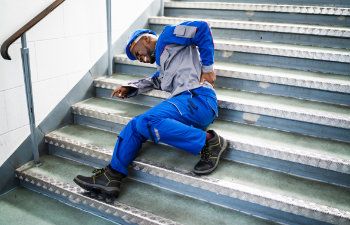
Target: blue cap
[[132, 37]]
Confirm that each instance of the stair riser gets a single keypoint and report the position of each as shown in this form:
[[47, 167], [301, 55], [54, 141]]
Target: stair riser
[[75, 196], [226, 113], [283, 90], [283, 62], [288, 125], [233, 203], [147, 175], [80, 206], [290, 167], [237, 155], [254, 86], [339, 3], [280, 17], [79, 157], [289, 38]]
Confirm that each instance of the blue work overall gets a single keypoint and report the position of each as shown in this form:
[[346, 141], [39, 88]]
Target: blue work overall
[[178, 121]]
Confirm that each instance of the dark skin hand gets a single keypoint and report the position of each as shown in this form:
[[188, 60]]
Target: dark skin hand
[[210, 77], [121, 92], [142, 51]]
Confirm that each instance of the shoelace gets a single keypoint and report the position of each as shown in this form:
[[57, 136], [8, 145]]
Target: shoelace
[[97, 172], [205, 155]]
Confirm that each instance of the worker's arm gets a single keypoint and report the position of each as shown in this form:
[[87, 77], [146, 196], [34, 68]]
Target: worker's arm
[[195, 33], [138, 87]]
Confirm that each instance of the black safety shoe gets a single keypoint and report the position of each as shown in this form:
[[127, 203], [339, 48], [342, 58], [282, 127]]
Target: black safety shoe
[[105, 180], [210, 154]]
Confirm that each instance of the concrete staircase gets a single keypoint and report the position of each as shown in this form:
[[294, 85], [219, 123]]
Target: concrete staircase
[[283, 86]]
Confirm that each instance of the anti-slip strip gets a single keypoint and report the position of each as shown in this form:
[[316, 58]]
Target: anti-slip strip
[[319, 10], [234, 190], [75, 195], [264, 74], [261, 26], [254, 106]]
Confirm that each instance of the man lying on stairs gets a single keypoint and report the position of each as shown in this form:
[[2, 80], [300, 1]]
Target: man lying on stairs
[[187, 73]]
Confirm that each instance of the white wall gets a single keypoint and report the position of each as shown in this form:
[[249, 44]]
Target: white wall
[[63, 47]]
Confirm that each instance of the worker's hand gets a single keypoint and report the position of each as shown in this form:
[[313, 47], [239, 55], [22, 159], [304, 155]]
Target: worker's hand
[[210, 77], [121, 92]]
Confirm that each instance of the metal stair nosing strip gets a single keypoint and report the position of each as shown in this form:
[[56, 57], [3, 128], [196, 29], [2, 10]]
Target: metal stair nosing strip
[[296, 51], [262, 26], [303, 9], [340, 167], [262, 76], [264, 149], [225, 102], [233, 190], [76, 197]]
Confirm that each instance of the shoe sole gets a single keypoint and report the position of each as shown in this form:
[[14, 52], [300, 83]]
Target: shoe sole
[[111, 191], [206, 172]]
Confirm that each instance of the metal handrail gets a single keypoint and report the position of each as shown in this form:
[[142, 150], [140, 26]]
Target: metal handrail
[[5, 46], [26, 70], [26, 64], [109, 37]]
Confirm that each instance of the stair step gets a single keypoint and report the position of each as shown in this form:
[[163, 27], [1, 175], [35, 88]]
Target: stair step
[[287, 50], [292, 33], [316, 3], [307, 198], [236, 114], [316, 152], [262, 26], [260, 12], [284, 55], [302, 9], [306, 79], [138, 202], [276, 106], [22, 206], [337, 16]]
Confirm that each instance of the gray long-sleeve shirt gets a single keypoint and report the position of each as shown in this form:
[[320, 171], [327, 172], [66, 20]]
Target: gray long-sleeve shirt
[[179, 66]]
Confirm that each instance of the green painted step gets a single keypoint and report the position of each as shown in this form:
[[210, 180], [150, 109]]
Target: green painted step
[[333, 31], [306, 79], [323, 153], [251, 177], [288, 50], [24, 207], [149, 198], [277, 106], [302, 9]]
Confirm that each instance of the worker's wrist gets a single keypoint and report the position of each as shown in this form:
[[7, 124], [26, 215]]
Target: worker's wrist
[[130, 85], [207, 69]]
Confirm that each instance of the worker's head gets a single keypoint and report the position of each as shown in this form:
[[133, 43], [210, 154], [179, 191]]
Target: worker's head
[[142, 45]]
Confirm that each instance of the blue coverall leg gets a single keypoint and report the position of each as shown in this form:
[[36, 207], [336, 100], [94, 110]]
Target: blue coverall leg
[[178, 122]]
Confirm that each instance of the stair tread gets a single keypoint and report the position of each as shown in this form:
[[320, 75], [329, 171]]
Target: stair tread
[[266, 26], [285, 46], [327, 10], [285, 107], [317, 80], [308, 150], [290, 146], [150, 198], [288, 73], [265, 136], [250, 177], [22, 206]]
